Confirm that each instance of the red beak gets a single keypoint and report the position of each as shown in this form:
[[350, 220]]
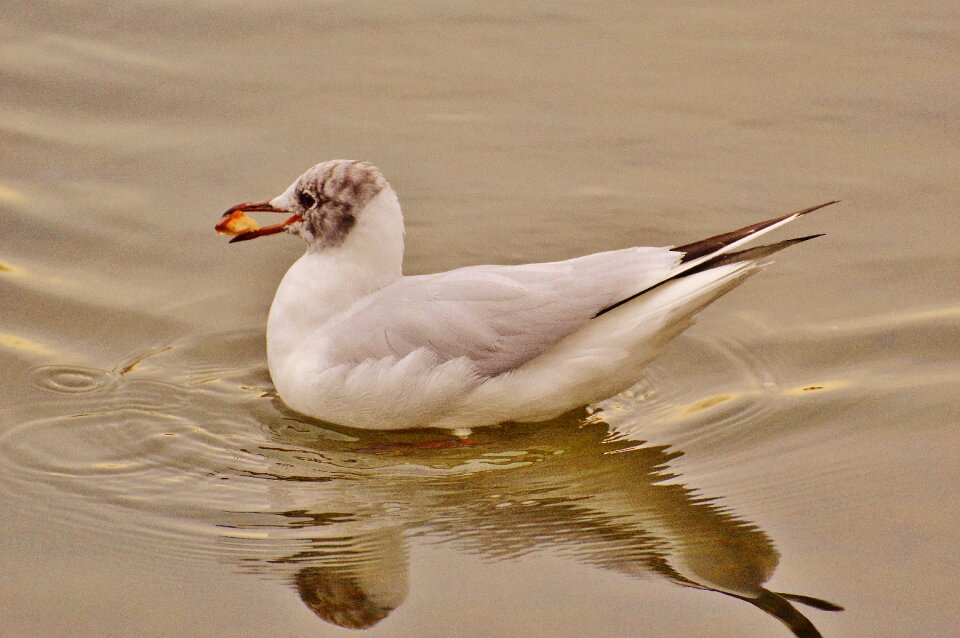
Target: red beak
[[238, 211]]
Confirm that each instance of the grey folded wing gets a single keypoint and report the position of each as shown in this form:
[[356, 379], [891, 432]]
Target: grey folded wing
[[498, 317]]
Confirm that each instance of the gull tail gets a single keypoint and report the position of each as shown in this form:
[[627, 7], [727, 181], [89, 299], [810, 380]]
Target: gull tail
[[607, 354], [727, 241], [755, 254], [719, 250]]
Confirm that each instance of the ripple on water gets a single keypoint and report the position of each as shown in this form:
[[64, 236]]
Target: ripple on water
[[130, 439], [180, 448], [120, 458], [702, 385], [64, 379]]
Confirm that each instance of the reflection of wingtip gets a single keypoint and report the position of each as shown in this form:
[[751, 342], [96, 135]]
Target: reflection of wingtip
[[778, 605], [810, 601]]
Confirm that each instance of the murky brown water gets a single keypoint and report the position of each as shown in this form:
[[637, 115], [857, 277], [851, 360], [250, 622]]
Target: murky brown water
[[802, 438]]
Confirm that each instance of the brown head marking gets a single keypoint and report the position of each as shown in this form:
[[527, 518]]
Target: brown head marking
[[339, 190]]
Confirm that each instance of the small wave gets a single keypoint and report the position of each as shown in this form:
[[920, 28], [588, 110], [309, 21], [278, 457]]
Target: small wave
[[64, 379]]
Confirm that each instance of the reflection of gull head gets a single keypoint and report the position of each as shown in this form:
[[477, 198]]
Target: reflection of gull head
[[339, 598], [358, 589]]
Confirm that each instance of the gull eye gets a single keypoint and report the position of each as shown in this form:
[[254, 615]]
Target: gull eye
[[306, 199]]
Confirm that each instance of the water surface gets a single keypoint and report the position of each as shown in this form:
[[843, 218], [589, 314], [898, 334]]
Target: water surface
[[801, 438]]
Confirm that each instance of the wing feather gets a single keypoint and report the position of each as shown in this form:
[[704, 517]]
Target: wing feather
[[498, 317]]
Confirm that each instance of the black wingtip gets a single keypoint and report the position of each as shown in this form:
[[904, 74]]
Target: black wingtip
[[704, 247], [754, 253], [797, 240], [817, 207], [712, 244]]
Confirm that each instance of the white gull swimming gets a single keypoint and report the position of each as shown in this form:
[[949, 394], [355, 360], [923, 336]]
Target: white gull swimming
[[354, 341]]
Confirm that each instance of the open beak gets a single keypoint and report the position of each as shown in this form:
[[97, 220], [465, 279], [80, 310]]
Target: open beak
[[235, 221]]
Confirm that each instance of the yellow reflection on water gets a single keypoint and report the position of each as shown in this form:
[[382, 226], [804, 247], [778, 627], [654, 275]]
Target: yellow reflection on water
[[22, 344], [818, 386], [707, 403], [899, 318], [11, 195]]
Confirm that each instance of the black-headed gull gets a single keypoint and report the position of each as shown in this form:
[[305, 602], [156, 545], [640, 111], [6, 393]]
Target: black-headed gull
[[352, 340]]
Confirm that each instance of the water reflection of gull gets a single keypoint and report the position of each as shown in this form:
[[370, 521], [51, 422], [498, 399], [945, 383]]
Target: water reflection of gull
[[339, 535]]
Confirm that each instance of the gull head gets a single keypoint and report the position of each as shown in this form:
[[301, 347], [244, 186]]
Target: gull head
[[324, 205]]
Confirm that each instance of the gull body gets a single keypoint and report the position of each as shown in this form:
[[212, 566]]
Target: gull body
[[353, 341]]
